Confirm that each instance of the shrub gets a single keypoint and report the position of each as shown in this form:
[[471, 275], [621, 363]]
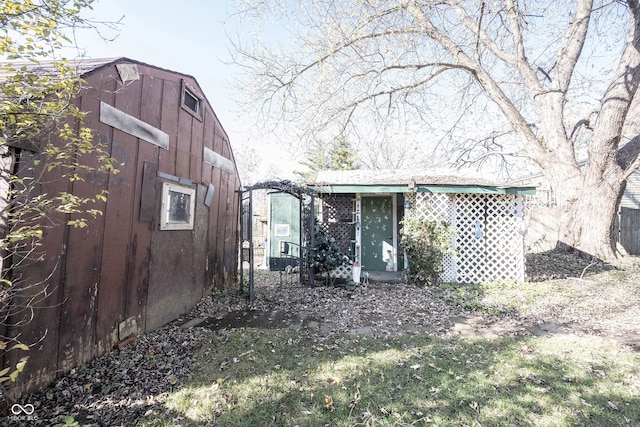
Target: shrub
[[326, 254], [426, 243]]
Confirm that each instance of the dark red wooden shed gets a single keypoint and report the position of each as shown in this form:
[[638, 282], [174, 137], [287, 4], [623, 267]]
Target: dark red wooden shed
[[169, 233]]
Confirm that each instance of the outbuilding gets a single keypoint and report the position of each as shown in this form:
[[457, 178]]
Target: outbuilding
[[363, 210], [169, 232]]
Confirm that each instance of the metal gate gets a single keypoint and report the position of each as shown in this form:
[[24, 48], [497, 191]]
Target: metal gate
[[306, 199]]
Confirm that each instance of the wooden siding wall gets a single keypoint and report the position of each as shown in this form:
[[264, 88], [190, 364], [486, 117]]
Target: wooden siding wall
[[631, 196], [122, 275]]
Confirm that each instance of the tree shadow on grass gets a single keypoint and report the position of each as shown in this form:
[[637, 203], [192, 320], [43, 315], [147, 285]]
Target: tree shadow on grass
[[412, 380]]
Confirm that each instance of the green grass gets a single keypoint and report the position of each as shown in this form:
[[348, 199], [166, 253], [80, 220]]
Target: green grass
[[598, 296], [468, 296], [255, 377]]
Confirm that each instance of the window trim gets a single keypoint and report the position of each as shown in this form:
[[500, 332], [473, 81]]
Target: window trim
[[187, 89], [165, 224]]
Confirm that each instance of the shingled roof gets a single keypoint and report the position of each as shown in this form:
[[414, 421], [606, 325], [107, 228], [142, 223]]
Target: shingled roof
[[409, 180], [387, 176], [44, 68]]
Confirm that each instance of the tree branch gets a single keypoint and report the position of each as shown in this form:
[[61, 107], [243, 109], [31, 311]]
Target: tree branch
[[491, 87], [572, 48]]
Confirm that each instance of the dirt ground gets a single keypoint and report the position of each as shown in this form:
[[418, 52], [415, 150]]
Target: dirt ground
[[580, 298]]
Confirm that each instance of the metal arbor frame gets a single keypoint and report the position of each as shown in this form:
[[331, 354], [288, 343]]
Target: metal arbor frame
[[306, 198]]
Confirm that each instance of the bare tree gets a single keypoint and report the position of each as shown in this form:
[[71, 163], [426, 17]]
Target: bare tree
[[507, 78]]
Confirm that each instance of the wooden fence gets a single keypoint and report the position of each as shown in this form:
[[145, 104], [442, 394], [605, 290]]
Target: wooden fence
[[630, 230]]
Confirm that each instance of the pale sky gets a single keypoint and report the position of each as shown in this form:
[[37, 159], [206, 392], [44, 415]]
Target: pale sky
[[187, 37]]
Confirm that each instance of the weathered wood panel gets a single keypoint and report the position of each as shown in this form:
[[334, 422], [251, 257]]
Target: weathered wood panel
[[170, 110], [117, 219], [170, 274], [123, 196], [83, 266], [199, 247], [217, 229], [195, 151], [140, 254], [147, 209], [183, 145], [630, 230], [35, 281], [231, 225], [219, 176]]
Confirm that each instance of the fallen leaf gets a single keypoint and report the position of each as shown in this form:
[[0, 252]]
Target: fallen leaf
[[366, 416], [328, 403]]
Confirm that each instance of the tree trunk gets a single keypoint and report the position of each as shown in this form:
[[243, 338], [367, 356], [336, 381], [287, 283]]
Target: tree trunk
[[588, 224]]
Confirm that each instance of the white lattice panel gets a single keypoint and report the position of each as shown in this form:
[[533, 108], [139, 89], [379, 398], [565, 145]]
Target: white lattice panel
[[488, 244], [341, 272], [432, 206]]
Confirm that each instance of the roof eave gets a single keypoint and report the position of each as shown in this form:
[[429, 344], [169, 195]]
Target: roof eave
[[420, 188]]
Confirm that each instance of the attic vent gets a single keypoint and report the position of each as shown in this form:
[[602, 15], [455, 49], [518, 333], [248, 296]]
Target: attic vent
[[190, 101], [128, 72]]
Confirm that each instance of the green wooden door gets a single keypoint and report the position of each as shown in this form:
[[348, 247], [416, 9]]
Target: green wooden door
[[377, 232]]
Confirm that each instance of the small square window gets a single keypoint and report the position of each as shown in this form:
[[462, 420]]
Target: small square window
[[178, 207], [191, 101]]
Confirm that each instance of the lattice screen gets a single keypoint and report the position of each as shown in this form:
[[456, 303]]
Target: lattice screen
[[337, 213], [341, 272], [488, 242]]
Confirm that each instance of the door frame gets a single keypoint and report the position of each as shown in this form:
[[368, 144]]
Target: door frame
[[394, 220]]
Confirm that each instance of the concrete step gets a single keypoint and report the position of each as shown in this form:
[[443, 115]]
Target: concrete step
[[382, 277]]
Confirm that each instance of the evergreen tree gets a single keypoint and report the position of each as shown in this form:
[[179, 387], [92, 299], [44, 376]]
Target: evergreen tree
[[337, 155], [342, 155]]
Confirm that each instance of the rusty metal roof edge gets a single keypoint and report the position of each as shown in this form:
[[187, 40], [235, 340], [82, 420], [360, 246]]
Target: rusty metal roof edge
[[88, 65]]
